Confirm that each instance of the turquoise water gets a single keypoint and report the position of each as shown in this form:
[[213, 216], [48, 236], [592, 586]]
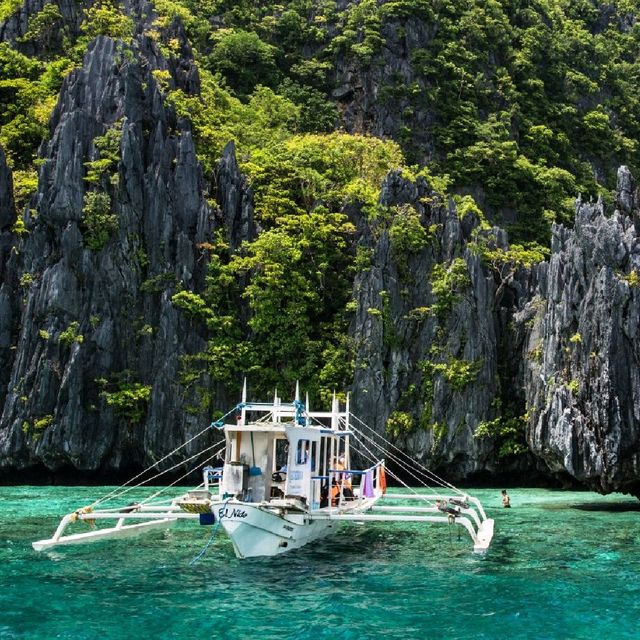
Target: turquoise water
[[562, 565]]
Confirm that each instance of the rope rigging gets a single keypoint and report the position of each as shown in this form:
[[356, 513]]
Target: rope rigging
[[125, 488], [212, 536], [372, 459], [191, 470], [418, 467]]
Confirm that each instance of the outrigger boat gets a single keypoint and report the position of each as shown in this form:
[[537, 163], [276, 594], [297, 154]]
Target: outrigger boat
[[284, 480]]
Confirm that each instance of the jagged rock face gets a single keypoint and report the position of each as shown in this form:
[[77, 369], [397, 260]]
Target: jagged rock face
[[77, 317], [401, 335], [373, 98], [118, 295], [235, 199], [7, 209], [16, 26], [7, 241], [583, 360]]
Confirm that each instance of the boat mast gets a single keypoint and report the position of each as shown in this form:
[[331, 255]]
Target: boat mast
[[243, 404]]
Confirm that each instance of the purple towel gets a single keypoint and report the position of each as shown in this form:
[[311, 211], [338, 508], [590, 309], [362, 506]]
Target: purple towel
[[367, 485]]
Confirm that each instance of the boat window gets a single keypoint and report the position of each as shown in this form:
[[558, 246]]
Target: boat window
[[302, 453], [314, 457], [323, 455], [282, 450]]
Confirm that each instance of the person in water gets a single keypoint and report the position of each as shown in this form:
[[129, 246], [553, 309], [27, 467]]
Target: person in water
[[506, 501]]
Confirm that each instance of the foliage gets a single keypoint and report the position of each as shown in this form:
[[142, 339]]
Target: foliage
[[297, 278], [19, 228], [28, 89], [508, 433], [26, 279], [106, 18], [192, 304], [399, 423], [407, 235], [44, 26], [98, 222], [307, 170], [317, 113], [522, 104], [244, 60], [71, 335], [8, 8], [505, 262], [42, 423], [218, 116], [466, 205], [573, 386], [129, 400], [108, 150], [457, 373], [447, 282], [25, 184]]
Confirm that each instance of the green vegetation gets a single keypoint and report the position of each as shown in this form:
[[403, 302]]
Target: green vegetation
[[98, 222], [129, 400], [457, 373], [632, 278], [399, 423], [106, 17], [192, 304], [407, 235], [529, 102], [447, 284], [505, 263], [71, 335], [108, 151], [42, 423], [507, 432], [8, 8], [522, 104]]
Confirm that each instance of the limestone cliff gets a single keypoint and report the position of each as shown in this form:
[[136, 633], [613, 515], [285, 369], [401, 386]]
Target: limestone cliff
[[583, 354], [86, 318], [478, 372]]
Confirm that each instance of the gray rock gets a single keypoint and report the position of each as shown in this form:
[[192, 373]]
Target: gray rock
[[583, 385], [402, 343], [235, 199], [7, 208], [82, 326]]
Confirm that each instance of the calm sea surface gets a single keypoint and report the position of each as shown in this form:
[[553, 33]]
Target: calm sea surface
[[562, 565]]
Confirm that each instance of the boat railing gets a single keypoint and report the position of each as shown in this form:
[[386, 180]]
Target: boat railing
[[212, 478], [370, 485]]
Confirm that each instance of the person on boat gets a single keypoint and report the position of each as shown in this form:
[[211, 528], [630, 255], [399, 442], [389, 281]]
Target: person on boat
[[324, 495], [506, 501], [335, 493], [344, 479]]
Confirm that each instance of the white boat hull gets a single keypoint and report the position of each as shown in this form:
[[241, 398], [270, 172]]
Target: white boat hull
[[256, 530]]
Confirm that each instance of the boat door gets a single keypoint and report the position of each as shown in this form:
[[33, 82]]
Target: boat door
[[304, 444]]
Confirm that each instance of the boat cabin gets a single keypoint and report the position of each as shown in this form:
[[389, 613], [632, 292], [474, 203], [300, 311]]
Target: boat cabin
[[277, 451]]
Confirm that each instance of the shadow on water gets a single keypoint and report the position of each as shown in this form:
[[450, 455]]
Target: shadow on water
[[608, 507]]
